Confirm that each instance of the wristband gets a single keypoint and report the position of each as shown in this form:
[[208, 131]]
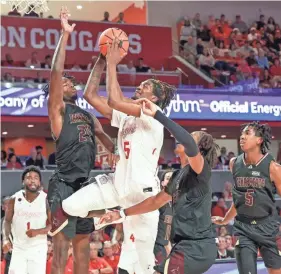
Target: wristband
[[122, 214]]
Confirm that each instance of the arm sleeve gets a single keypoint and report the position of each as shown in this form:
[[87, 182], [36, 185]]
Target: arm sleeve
[[180, 134]]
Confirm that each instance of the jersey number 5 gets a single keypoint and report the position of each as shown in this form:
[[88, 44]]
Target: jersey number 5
[[127, 149], [249, 199]]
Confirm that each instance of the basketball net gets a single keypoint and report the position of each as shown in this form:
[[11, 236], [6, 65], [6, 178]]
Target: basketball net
[[27, 6]]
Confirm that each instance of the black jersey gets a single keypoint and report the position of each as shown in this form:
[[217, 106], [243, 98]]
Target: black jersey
[[253, 192], [164, 225], [75, 147], [192, 202]]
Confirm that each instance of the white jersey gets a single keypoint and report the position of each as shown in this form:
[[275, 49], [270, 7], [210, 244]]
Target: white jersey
[[28, 216], [140, 141]]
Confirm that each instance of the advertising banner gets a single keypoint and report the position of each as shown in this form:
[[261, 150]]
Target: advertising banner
[[21, 36], [185, 106]]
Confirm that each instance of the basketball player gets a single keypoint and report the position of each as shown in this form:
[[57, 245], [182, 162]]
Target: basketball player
[[256, 175], [194, 249], [28, 219], [140, 140], [74, 131], [162, 247]]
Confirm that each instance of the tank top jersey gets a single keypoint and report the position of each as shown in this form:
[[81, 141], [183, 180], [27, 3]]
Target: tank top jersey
[[140, 141], [192, 201], [253, 192], [28, 215], [75, 147]]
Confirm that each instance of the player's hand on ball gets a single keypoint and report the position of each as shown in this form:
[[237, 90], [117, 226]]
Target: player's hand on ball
[[7, 246], [64, 15], [113, 55], [218, 220], [148, 107], [31, 233]]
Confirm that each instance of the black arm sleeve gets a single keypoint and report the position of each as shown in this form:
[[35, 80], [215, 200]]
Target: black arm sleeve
[[180, 134]]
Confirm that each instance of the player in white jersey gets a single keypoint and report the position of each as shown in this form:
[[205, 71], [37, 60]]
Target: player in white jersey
[[26, 218], [140, 140]]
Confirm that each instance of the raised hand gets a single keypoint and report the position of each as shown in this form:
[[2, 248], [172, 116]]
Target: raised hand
[[148, 107], [113, 55], [64, 16]]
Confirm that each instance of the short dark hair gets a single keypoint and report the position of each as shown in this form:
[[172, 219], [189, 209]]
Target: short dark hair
[[4, 154], [46, 88], [31, 169], [263, 131]]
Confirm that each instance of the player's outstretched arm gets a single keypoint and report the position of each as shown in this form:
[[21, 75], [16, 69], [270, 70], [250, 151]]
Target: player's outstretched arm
[[7, 225], [148, 205], [195, 158], [55, 102], [92, 87], [116, 100], [275, 175]]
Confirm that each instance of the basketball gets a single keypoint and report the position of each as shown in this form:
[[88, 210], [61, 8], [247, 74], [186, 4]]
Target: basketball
[[108, 36]]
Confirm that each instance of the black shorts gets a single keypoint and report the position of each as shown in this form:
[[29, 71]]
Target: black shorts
[[160, 253], [190, 257], [59, 190], [263, 236]]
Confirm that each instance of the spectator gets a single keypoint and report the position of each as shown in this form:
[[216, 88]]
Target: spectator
[[262, 60], [227, 192], [48, 62], [31, 12], [275, 69], [49, 257], [8, 78], [251, 59], [206, 62], [277, 40], [121, 18], [278, 159], [261, 23], [253, 35], [4, 160], [35, 159], [14, 11], [96, 237], [211, 22], [9, 62], [39, 150], [33, 62], [110, 257], [97, 264], [246, 49], [141, 67], [199, 46], [266, 81], [39, 79], [211, 47], [220, 208], [52, 159], [12, 162], [204, 33], [76, 67], [127, 68], [12, 150], [223, 253], [239, 24], [190, 50], [196, 21], [105, 17], [271, 25], [223, 157], [186, 30], [229, 243], [93, 61]]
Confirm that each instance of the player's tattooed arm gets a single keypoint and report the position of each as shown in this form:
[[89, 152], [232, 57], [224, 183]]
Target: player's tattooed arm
[[7, 225], [275, 175], [116, 100], [103, 137], [92, 87], [55, 102]]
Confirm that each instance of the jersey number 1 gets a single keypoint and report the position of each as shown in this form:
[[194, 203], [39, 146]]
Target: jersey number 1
[[127, 149], [249, 199]]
